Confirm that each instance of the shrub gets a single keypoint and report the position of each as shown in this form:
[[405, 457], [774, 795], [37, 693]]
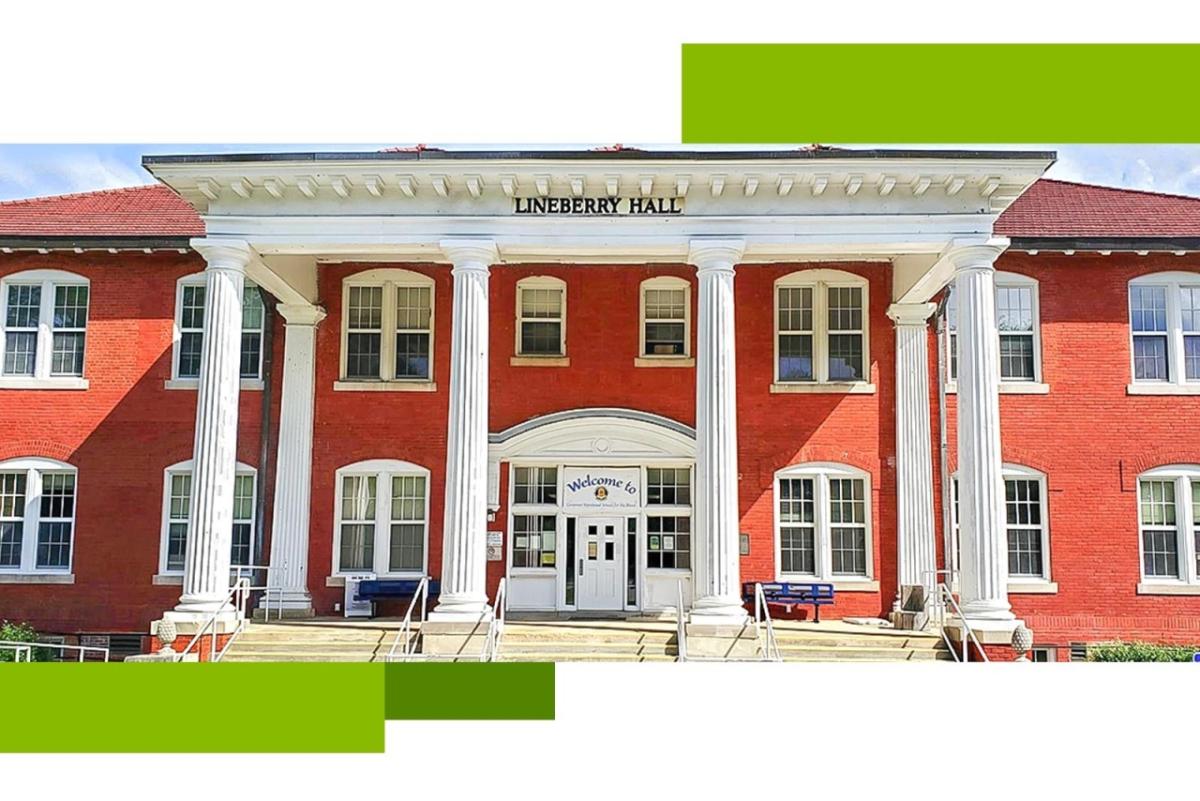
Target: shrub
[[1140, 652], [20, 632]]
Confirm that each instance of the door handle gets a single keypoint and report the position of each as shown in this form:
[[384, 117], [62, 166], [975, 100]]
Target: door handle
[[581, 566]]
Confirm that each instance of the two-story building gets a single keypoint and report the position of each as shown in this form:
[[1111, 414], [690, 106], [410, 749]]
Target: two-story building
[[598, 373]]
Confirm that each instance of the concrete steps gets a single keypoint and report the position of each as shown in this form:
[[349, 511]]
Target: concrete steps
[[309, 641]]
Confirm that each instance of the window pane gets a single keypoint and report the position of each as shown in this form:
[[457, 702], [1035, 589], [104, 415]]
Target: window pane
[[795, 357], [845, 308], [243, 498], [796, 500], [190, 344], [1148, 308], [1191, 357], [534, 541], [796, 549], [251, 354], [542, 303], [358, 547], [1150, 358], [1014, 308], [535, 485], [849, 546], [358, 498], [669, 542], [408, 497], [366, 308], [1161, 553], [413, 308], [54, 544], [70, 306], [10, 542], [541, 338], [1189, 308], [67, 355], [243, 541], [1160, 541], [12, 512], [1016, 357], [795, 309], [666, 304], [1196, 522], [191, 312], [412, 355], [668, 486], [407, 547], [58, 495], [845, 357], [362, 355], [665, 339], [1158, 502], [20, 352], [24, 305], [252, 308]]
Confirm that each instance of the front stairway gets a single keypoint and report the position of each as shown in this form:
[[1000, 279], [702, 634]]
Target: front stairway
[[327, 640]]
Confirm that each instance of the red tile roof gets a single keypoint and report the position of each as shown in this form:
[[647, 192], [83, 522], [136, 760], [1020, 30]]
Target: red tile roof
[[140, 211], [1051, 209]]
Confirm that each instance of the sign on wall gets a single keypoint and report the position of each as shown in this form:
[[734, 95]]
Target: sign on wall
[[589, 206], [600, 489]]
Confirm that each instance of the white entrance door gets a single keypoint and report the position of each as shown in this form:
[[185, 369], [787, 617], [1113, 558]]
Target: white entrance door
[[600, 566]]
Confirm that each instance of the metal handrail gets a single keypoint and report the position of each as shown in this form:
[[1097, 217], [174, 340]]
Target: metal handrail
[[943, 597], [680, 625], [19, 647], [491, 646], [237, 597], [762, 615], [265, 589], [404, 635]]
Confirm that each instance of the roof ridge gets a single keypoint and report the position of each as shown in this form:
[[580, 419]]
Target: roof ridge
[[90, 193], [1122, 189]]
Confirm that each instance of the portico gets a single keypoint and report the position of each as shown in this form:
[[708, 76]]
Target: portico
[[279, 221]]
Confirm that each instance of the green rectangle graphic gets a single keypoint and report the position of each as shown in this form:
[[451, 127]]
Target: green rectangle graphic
[[470, 691], [940, 93], [202, 707]]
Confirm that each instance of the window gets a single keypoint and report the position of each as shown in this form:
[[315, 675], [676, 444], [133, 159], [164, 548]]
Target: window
[[821, 328], [387, 327], [822, 523], [669, 518], [666, 318], [189, 320], [541, 317], [1169, 524], [1026, 524], [44, 323], [382, 524], [1018, 323], [535, 517], [1043, 655], [177, 517], [534, 540], [1164, 327], [37, 516], [536, 485]]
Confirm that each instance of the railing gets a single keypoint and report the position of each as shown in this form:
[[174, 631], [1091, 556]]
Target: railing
[[405, 635], [491, 646], [238, 599], [944, 603], [680, 624], [762, 618], [26, 648], [238, 572]]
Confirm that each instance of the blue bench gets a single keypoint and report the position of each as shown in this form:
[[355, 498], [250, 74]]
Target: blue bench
[[379, 589], [789, 593]]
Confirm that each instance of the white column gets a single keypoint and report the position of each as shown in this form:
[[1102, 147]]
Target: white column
[[916, 553], [206, 566], [715, 573], [293, 469], [464, 530], [984, 547]]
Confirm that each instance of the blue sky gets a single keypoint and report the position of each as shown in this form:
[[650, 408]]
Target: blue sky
[[32, 170]]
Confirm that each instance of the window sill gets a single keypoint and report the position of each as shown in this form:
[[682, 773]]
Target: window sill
[[1167, 588], [245, 384], [664, 361], [37, 578], [540, 361], [829, 388], [384, 386], [1010, 388], [1163, 389], [839, 584], [1033, 587], [53, 382], [167, 580], [534, 572]]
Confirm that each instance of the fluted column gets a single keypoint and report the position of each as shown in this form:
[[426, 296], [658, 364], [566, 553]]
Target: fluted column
[[464, 530], [715, 572], [293, 470], [206, 565], [916, 554], [983, 543]]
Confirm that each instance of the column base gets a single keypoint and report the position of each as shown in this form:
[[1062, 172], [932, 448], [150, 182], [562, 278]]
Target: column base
[[187, 623], [727, 640], [470, 609], [454, 638], [718, 611], [988, 632]]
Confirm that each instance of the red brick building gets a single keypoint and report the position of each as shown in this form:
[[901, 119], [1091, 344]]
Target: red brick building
[[600, 374]]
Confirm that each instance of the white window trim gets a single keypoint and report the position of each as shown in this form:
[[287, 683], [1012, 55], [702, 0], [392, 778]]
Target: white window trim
[[383, 470], [1185, 525], [516, 510], [166, 575], [41, 378], [1030, 585], [650, 510], [682, 360], [188, 383], [389, 279], [1011, 386], [547, 359], [33, 467], [822, 472], [820, 281], [1178, 383]]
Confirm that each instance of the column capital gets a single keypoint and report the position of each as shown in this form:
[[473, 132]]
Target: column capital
[[470, 254], [223, 254], [916, 314], [975, 254], [300, 313], [715, 254]]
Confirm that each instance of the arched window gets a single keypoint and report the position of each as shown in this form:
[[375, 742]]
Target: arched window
[[1019, 322], [666, 321], [381, 521], [823, 523], [1026, 526], [387, 330], [177, 517], [1169, 527], [190, 304], [43, 322], [1164, 330], [37, 516], [821, 329], [541, 317]]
